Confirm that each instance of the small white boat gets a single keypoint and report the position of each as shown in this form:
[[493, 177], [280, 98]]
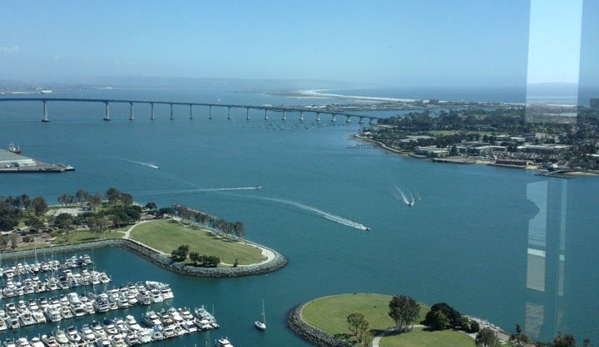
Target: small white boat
[[261, 324], [223, 342]]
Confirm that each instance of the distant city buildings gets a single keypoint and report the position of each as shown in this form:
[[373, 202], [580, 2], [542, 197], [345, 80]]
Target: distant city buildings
[[594, 102]]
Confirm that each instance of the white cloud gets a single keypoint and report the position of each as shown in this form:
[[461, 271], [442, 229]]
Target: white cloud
[[14, 49]]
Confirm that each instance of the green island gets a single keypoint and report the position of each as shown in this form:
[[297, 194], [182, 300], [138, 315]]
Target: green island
[[364, 319]]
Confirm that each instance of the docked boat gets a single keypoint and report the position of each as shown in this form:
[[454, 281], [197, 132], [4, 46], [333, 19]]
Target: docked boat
[[62, 337], [22, 342], [151, 319], [73, 335], [223, 342], [50, 340], [14, 149], [36, 342], [132, 324]]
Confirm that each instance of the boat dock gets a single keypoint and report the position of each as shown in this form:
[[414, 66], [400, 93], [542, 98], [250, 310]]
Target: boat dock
[[13, 162]]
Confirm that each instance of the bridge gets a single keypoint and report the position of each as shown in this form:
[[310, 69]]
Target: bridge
[[300, 110]]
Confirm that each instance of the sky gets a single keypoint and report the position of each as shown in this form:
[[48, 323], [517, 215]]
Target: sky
[[384, 42]]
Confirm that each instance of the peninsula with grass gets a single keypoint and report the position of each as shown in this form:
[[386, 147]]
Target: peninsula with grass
[[364, 320], [178, 238]]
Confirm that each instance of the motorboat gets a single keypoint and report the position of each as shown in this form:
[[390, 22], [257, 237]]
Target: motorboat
[[131, 323], [22, 342], [73, 335], [36, 342], [87, 333], [223, 342], [151, 319], [62, 337]]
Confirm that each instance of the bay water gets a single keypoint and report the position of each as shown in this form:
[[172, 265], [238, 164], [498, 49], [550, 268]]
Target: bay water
[[499, 244]]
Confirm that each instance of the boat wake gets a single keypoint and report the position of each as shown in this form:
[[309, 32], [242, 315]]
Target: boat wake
[[322, 213], [410, 201], [140, 163], [201, 190]]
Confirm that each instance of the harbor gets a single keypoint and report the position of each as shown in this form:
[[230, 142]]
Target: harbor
[[13, 161], [79, 296]]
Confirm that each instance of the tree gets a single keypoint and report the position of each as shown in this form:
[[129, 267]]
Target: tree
[[63, 221], [82, 196], [567, 340], [14, 240], [194, 257], [180, 253], [39, 205], [519, 338], [239, 229], [486, 337], [404, 311], [95, 201], [113, 195], [357, 324], [127, 199], [151, 206], [452, 314], [437, 320], [4, 241]]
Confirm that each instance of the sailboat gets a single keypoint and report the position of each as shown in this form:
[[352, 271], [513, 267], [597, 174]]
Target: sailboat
[[261, 324]]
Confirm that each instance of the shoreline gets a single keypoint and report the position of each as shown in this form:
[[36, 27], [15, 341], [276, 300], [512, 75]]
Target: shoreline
[[274, 261], [468, 161]]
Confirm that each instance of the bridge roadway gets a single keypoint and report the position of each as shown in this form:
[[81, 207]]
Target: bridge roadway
[[265, 108]]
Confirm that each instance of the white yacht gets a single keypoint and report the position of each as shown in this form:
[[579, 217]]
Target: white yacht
[[224, 342], [132, 323]]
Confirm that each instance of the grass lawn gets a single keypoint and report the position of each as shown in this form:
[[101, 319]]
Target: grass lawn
[[167, 235], [421, 338], [330, 314], [80, 236]]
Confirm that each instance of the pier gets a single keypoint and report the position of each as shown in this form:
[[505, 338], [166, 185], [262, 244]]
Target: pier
[[285, 110]]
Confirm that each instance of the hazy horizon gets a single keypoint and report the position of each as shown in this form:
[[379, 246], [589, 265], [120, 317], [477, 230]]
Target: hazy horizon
[[388, 44]]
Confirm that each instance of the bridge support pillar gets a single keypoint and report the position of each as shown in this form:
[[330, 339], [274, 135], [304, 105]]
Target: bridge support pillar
[[45, 119], [172, 117], [318, 116], [107, 114], [152, 111], [370, 121], [229, 113], [347, 119], [190, 111], [334, 118], [247, 113], [210, 112], [265, 114], [131, 117], [302, 116], [361, 120], [284, 115]]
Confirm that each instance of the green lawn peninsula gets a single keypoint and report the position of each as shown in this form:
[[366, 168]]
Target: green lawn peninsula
[[165, 235], [330, 315]]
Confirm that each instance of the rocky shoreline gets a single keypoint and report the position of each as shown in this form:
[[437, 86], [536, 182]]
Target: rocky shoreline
[[156, 258], [309, 333]]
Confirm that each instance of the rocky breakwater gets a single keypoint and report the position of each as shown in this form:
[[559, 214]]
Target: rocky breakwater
[[277, 262], [310, 333]]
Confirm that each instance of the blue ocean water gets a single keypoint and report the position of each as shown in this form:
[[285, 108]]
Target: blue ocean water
[[499, 244]]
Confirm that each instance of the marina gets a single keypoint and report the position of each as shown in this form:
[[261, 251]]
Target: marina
[[36, 309]]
